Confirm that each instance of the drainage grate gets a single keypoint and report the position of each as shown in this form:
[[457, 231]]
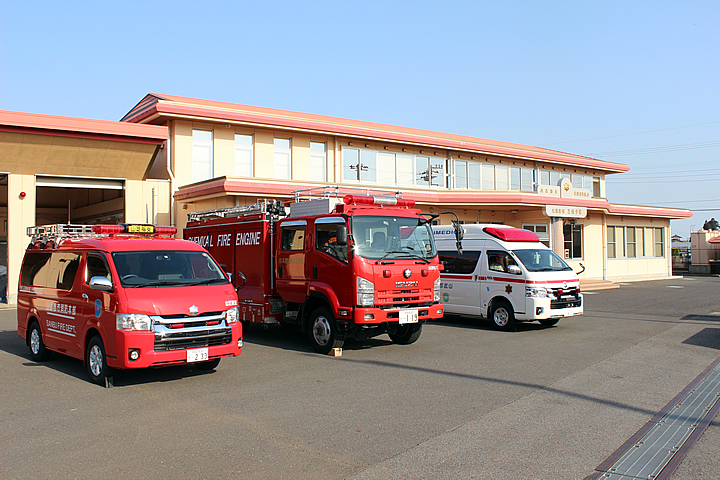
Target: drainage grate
[[663, 441]]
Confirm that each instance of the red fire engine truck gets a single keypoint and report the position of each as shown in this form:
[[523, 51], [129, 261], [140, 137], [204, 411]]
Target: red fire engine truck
[[355, 267]]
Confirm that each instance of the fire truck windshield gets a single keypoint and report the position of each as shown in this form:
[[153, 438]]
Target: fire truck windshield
[[161, 268], [392, 238], [541, 260]]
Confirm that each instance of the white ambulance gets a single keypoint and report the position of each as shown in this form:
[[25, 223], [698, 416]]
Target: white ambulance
[[505, 274]]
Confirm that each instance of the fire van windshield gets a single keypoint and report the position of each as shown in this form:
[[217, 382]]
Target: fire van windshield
[[392, 238], [541, 260], [164, 268]]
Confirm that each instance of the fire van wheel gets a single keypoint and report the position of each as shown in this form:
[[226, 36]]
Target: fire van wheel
[[549, 322], [95, 360], [323, 331], [209, 365], [406, 334], [502, 315], [38, 352]]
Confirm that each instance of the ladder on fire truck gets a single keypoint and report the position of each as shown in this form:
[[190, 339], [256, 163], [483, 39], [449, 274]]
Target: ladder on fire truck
[[316, 193], [273, 207], [58, 232]]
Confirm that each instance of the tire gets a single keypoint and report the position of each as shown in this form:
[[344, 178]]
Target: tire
[[38, 352], [323, 331], [406, 334], [209, 365], [95, 361], [502, 315], [549, 322]]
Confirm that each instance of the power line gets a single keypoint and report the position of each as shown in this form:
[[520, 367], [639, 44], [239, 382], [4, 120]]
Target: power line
[[638, 133], [668, 148]]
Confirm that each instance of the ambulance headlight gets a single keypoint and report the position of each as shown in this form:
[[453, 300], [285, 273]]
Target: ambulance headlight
[[365, 292], [541, 292], [133, 321], [436, 287], [232, 315]]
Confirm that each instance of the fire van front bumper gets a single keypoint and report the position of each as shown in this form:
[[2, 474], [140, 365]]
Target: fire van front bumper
[[137, 349], [421, 314]]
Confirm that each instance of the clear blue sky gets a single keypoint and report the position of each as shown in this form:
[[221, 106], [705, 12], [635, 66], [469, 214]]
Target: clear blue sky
[[635, 82]]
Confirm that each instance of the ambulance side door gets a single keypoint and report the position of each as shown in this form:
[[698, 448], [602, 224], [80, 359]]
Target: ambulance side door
[[499, 281], [459, 284]]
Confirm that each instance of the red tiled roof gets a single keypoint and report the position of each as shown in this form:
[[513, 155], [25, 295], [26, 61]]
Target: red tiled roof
[[157, 108]]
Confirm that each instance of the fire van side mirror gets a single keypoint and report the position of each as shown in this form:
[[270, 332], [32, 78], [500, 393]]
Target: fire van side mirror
[[101, 283], [241, 280], [341, 238]]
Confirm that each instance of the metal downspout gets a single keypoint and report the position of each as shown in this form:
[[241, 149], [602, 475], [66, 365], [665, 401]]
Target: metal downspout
[[168, 165]]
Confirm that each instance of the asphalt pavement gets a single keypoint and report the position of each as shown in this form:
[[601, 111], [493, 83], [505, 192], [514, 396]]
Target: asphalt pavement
[[465, 401]]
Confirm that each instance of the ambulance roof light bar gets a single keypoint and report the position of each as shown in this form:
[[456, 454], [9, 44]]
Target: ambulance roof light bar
[[512, 234], [378, 200]]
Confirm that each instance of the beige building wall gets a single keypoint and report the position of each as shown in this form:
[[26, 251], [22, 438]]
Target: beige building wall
[[21, 215]]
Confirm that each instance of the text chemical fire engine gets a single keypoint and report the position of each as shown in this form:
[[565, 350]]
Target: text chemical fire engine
[[358, 267], [122, 296], [505, 274]]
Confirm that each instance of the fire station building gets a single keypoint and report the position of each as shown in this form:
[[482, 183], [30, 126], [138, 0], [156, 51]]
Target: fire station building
[[170, 156]]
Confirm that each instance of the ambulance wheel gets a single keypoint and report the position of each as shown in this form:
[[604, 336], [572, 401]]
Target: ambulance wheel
[[323, 331], [95, 360], [549, 322], [406, 334], [209, 365], [38, 352], [502, 315]]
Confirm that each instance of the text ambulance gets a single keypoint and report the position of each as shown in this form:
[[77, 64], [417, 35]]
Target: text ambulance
[[505, 274]]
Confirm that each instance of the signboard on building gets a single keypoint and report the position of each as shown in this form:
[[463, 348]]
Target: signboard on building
[[565, 211], [564, 189]]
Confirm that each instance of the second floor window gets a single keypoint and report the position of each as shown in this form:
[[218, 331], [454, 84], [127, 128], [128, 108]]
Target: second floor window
[[282, 163], [243, 155], [318, 161], [202, 155]]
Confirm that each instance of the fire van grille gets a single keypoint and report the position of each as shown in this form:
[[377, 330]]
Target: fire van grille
[[194, 339]]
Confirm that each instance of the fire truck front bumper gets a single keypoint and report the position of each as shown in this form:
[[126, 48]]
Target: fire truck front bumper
[[420, 314]]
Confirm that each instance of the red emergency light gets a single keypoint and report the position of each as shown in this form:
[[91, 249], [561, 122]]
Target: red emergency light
[[133, 229], [373, 200], [512, 234]]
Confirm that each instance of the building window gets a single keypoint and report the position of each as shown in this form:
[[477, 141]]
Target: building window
[[405, 169], [202, 155], [283, 158], [514, 178], [502, 180], [386, 168], [318, 161], [611, 245], [526, 179], [541, 230], [596, 187], [461, 174], [243, 155], [630, 242], [659, 242], [488, 176], [359, 165], [429, 171], [573, 240]]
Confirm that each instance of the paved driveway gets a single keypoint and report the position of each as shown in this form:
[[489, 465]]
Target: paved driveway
[[465, 401]]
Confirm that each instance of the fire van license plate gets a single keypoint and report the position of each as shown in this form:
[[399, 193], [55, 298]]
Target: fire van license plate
[[408, 316], [197, 355]]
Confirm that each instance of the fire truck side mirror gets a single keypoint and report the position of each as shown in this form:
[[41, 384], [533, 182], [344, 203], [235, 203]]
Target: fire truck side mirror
[[241, 280], [101, 283], [342, 235]]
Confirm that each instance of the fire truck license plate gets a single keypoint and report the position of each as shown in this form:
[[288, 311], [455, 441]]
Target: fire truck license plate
[[408, 316], [197, 355]]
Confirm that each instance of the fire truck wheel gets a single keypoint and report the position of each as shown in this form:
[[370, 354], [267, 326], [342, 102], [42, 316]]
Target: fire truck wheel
[[406, 334], [95, 360], [549, 322], [38, 352], [209, 365], [323, 331], [502, 315]]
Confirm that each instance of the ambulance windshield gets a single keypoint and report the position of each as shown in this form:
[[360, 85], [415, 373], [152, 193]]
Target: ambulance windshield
[[541, 260], [163, 268], [392, 238]]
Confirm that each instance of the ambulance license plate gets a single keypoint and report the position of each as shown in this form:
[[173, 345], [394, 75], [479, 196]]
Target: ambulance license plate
[[408, 316], [197, 355]]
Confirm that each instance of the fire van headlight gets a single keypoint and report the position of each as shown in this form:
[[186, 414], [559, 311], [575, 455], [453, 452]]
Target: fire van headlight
[[365, 292], [133, 321], [540, 292], [231, 316], [436, 286]]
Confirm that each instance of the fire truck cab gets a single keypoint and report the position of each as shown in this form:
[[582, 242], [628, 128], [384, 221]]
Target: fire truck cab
[[338, 266], [122, 296]]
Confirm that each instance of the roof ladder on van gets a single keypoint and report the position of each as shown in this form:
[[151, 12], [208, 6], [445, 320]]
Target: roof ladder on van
[[58, 232]]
